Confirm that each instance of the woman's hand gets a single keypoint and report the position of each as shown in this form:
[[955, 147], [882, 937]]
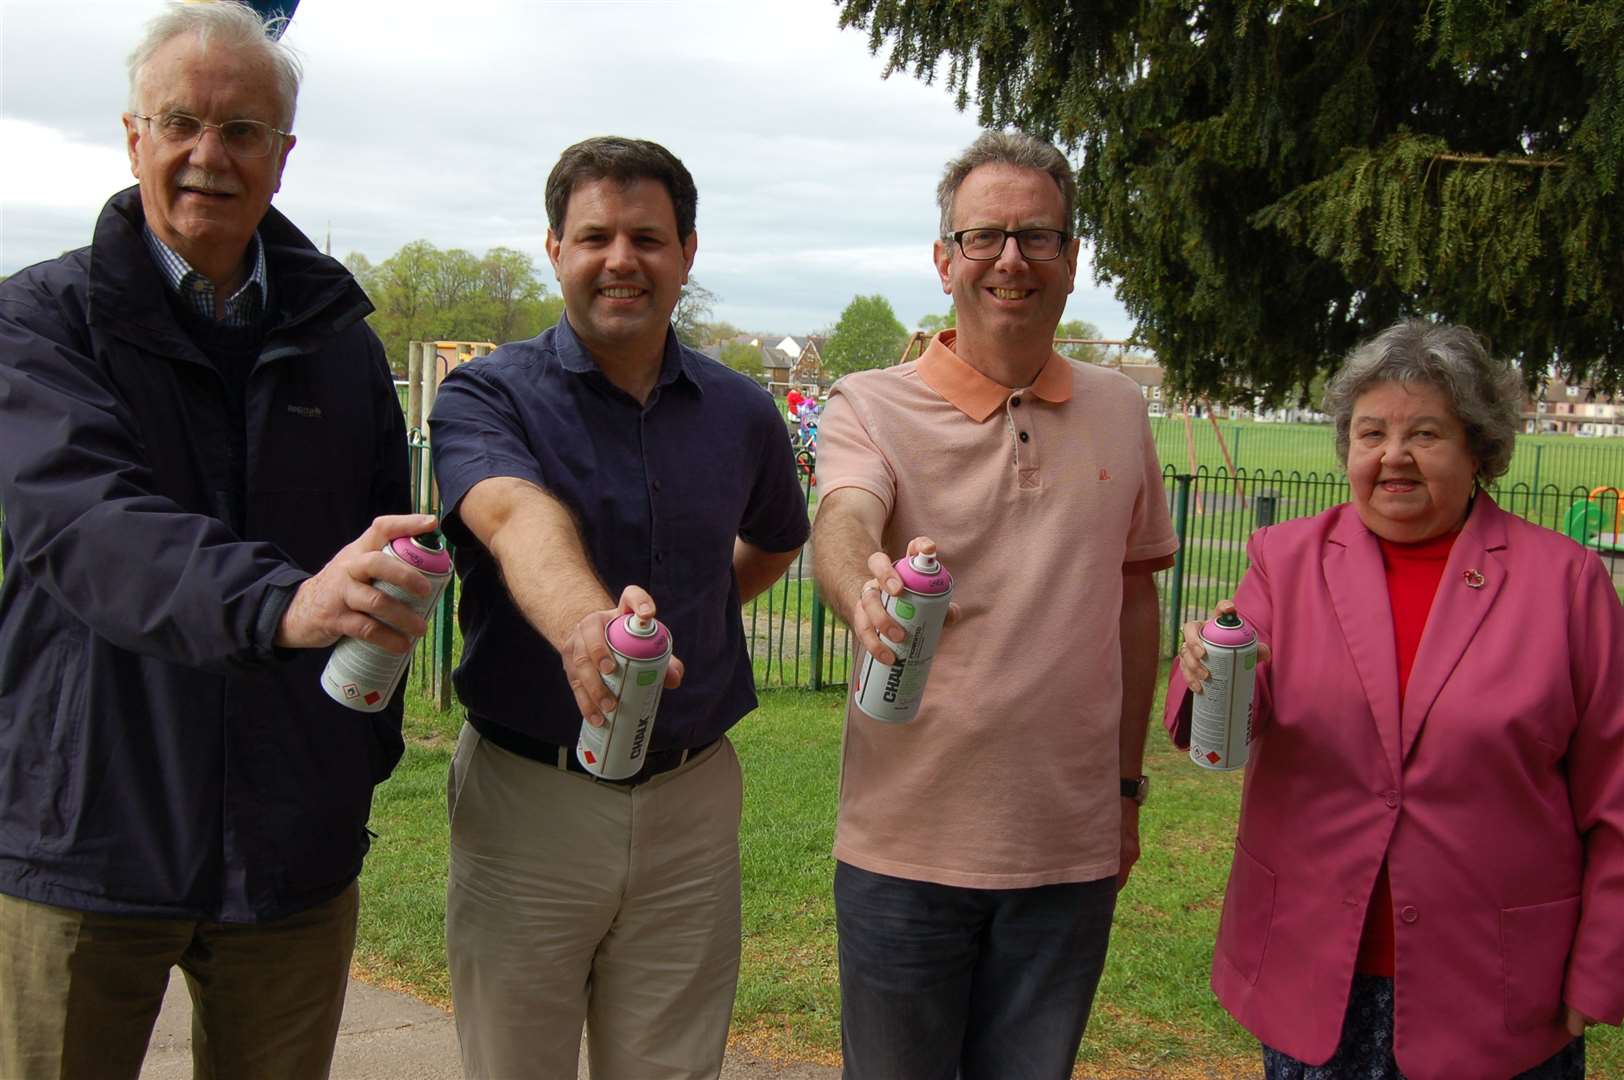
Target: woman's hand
[[1193, 652]]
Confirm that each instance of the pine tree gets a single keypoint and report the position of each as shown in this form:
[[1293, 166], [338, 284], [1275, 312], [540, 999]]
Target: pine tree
[[1268, 183]]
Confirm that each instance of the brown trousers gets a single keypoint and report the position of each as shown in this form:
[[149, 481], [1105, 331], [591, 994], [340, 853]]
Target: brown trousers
[[80, 992]]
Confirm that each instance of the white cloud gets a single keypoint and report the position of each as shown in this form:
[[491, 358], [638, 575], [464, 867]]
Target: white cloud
[[422, 119], [47, 169]]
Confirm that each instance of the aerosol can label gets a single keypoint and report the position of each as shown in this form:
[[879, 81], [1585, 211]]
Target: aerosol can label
[[363, 677], [641, 649], [892, 692], [1221, 715]]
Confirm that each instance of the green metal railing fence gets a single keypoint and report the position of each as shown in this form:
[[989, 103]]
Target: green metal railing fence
[[794, 639], [796, 642]]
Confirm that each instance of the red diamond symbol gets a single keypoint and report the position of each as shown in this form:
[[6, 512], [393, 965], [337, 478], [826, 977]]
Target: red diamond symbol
[[372, 697], [1214, 756]]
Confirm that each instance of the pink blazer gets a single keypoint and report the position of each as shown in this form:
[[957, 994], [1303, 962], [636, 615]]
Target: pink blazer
[[1497, 796]]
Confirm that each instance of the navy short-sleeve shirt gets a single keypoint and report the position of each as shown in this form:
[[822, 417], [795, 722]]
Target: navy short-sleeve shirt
[[659, 492]]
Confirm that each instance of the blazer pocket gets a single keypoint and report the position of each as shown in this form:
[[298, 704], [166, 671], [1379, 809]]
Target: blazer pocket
[[1534, 945], [1243, 929]]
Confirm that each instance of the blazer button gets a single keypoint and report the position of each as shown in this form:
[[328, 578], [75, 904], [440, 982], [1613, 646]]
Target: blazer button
[[1391, 797], [1410, 914]]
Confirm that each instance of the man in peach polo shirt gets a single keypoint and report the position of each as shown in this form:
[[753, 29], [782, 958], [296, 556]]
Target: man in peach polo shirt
[[980, 847]]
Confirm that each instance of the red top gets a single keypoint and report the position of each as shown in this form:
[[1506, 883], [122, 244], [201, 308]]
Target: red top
[[1413, 573]]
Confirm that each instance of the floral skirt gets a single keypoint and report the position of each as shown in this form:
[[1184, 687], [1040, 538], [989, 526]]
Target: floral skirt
[[1366, 1049]]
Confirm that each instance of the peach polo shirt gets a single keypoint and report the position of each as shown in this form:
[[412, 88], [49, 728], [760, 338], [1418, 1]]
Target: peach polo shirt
[[1040, 499]]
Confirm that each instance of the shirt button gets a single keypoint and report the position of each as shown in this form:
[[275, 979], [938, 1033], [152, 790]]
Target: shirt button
[[1410, 914], [656, 485], [1025, 437], [1391, 797], [1015, 402], [659, 557]]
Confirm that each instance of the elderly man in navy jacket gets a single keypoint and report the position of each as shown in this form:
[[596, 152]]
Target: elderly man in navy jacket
[[200, 450]]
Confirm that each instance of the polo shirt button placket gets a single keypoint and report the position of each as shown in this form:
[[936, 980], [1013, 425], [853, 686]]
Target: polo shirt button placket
[[1026, 463]]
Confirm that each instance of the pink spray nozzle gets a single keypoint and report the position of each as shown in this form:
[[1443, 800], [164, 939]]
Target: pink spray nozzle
[[426, 552], [637, 637], [1228, 629]]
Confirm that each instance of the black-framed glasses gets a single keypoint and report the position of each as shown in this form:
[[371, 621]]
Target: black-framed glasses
[[1036, 245], [241, 138]]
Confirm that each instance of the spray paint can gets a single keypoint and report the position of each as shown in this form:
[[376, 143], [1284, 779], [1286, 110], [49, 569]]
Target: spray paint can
[[641, 649], [892, 692], [363, 677], [1221, 715]]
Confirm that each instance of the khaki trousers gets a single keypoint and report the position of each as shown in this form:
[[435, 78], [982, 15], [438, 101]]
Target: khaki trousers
[[573, 901], [80, 991]]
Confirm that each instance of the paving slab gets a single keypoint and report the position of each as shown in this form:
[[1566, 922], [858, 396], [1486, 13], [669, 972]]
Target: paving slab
[[385, 1035]]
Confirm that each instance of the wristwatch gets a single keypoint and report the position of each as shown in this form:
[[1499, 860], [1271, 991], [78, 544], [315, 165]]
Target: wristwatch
[[1136, 788]]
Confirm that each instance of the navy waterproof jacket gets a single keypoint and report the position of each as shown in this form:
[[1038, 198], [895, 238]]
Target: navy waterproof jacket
[[158, 756]]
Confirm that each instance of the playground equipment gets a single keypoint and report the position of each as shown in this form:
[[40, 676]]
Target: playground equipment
[[1585, 521], [1189, 445]]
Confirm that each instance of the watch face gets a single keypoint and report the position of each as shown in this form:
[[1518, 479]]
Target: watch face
[[1136, 789]]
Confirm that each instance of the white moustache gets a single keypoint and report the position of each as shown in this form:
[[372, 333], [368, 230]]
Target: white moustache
[[205, 182]]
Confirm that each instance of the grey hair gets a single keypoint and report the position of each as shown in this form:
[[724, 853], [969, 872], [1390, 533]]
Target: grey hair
[[1007, 148], [228, 23], [1485, 393]]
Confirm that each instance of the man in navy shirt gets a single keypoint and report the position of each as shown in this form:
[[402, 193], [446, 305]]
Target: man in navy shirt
[[590, 472]]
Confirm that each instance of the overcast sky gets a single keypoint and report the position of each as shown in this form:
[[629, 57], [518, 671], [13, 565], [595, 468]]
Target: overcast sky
[[440, 120]]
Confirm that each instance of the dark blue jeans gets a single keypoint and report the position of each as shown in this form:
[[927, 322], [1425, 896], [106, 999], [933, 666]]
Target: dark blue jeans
[[938, 983]]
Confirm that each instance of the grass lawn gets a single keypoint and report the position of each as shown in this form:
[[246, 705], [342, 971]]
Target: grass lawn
[[1154, 1015], [1537, 460]]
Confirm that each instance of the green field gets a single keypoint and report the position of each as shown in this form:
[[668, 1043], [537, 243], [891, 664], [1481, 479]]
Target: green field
[[1295, 465], [1539, 461], [1154, 1015]]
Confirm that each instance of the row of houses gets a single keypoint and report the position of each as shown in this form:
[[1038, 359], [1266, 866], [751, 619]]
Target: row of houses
[[1560, 408]]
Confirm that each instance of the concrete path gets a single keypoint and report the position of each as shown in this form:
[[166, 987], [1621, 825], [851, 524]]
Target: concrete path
[[389, 1036]]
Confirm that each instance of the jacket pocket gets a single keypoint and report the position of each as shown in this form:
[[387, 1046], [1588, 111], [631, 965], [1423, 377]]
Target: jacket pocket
[[1534, 945], [47, 773], [1243, 930]]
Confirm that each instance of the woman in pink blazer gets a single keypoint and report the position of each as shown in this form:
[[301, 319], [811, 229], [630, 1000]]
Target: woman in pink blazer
[[1428, 879]]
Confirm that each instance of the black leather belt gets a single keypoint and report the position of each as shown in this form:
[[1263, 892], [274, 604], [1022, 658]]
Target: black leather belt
[[655, 762]]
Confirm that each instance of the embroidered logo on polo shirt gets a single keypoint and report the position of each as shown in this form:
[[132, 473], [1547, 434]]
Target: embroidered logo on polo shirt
[[1104, 475], [309, 412]]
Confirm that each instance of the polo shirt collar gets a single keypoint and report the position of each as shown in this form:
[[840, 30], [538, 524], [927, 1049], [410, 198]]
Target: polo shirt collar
[[676, 362], [977, 396]]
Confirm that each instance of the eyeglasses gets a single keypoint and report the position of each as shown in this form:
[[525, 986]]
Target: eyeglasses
[[1036, 245], [241, 138]]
